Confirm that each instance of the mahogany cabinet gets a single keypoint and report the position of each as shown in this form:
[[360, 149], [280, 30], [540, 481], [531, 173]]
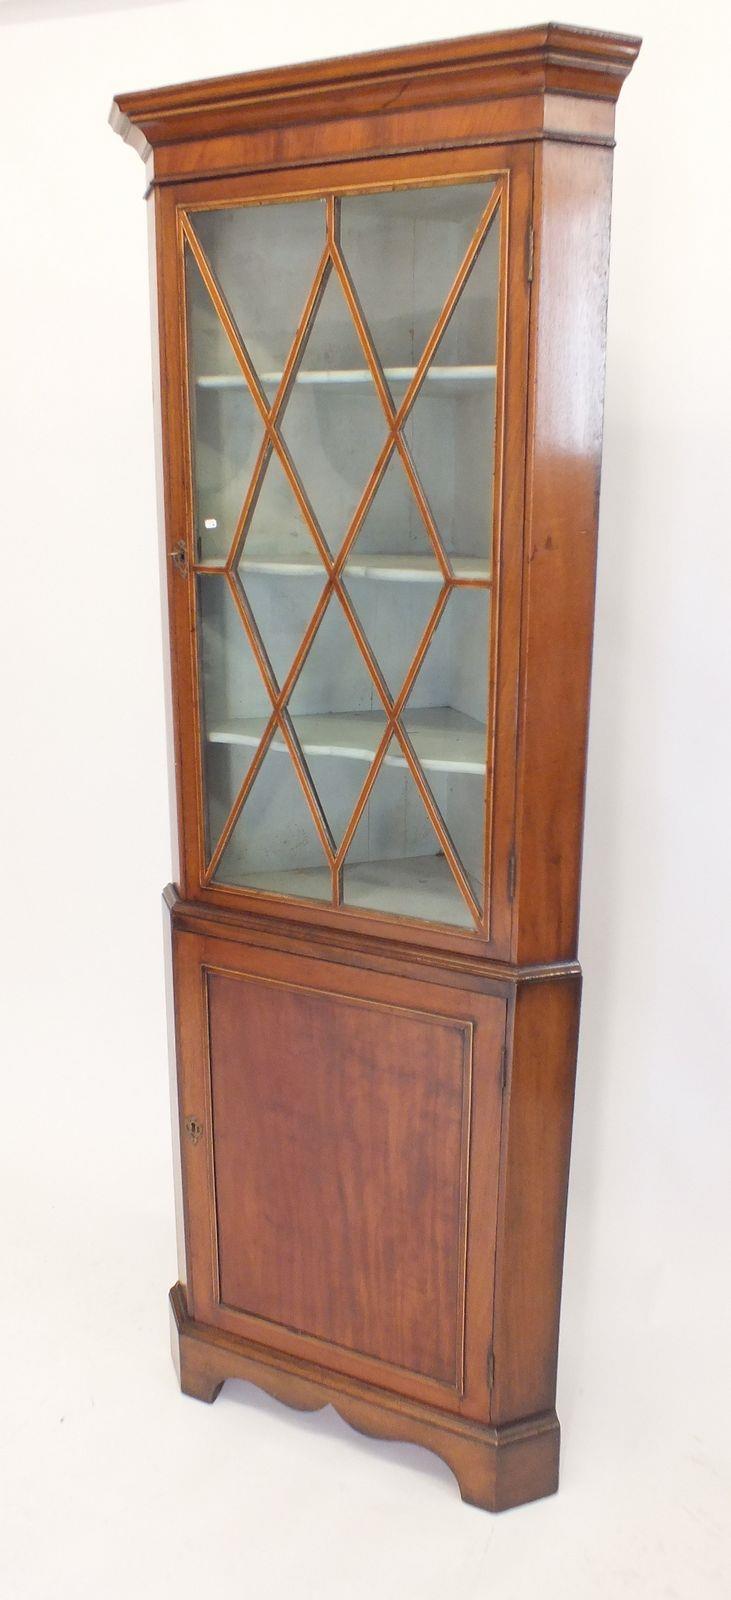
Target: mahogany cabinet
[[380, 291]]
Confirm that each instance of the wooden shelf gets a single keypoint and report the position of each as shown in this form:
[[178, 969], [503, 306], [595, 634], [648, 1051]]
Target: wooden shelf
[[398, 568], [413, 886], [445, 740], [450, 380]]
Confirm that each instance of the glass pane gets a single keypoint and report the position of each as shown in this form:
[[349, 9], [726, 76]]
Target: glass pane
[[280, 569], [235, 707], [334, 424], [403, 250], [445, 718], [393, 534], [225, 426], [392, 575], [337, 716], [395, 862], [393, 617], [275, 845], [264, 258], [451, 428], [277, 537]]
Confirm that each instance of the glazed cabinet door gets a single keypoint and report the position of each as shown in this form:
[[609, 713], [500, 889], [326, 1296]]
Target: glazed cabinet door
[[340, 1132], [353, 367]]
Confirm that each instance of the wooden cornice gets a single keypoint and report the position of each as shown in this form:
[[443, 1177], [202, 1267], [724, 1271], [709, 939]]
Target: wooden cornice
[[544, 60]]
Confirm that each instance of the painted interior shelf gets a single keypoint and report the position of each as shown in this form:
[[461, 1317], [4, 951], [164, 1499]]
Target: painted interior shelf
[[422, 882], [381, 568], [450, 379], [445, 740]]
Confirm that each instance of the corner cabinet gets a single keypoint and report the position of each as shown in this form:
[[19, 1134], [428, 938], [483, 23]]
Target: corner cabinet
[[381, 290]]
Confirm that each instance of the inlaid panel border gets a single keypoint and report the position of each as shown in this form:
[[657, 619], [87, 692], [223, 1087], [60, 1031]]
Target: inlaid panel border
[[463, 1026]]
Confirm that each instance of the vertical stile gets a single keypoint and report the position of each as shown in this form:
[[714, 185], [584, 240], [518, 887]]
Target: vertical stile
[[497, 525]]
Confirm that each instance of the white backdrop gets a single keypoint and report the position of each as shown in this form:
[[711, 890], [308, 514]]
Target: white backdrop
[[115, 1485]]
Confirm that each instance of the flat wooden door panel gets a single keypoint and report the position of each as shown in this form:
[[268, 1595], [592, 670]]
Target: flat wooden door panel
[[351, 1121], [340, 1135]]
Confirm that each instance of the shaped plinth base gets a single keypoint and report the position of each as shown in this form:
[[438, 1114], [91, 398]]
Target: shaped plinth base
[[495, 1467]]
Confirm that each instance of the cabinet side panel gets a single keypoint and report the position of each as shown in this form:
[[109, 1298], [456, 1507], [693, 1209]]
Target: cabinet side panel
[[568, 312], [180, 1232], [532, 1210]]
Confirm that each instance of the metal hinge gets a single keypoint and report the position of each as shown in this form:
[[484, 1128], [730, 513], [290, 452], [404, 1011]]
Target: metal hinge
[[179, 557], [504, 1067], [530, 246], [490, 1369], [511, 875]]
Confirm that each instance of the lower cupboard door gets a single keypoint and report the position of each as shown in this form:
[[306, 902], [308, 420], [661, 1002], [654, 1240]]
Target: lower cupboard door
[[340, 1134]]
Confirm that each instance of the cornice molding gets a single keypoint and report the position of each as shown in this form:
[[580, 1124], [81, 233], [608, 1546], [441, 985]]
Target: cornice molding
[[548, 59]]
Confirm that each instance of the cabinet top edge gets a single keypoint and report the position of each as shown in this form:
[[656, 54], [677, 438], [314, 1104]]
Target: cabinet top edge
[[548, 57]]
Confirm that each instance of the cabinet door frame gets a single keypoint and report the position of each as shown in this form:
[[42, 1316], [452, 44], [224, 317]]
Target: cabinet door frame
[[515, 165], [483, 1021]]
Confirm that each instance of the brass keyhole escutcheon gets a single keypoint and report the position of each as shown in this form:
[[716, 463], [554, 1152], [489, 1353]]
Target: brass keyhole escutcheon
[[179, 558], [194, 1129]]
